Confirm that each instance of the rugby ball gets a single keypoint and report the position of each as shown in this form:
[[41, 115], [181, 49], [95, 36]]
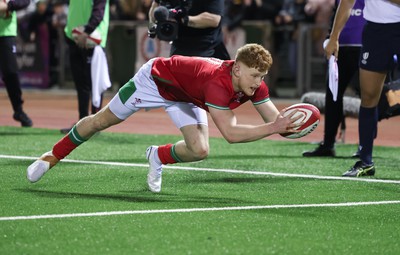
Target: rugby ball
[[309, 114], [93, 39]]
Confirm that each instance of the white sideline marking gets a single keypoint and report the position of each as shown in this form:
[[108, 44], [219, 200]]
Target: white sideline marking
[[186, 210], [306, 176]]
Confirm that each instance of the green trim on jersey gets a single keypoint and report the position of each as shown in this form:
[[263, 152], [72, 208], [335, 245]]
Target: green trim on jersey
[[162, 79], [79, 12], [126, 91], [217, 107], [75, 137], [262, 101], [8, 26]]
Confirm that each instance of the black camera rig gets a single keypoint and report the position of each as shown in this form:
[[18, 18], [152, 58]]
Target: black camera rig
[[168, 15]]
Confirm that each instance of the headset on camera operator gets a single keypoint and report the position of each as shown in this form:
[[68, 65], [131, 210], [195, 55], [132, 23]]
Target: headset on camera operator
[[193, 26]]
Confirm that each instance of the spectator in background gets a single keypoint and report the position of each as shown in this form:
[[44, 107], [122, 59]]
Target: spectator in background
[[233, 15], [133, 9], [60, 14], [290, 17], [145, 8], [286, 31], [261, 9], [91, 16], [57, 37], [321, 10], [237, 11], [199, 31], [41, 16], [113, 9], [380, 41], [8, 60], [40, 29], [349, 52]]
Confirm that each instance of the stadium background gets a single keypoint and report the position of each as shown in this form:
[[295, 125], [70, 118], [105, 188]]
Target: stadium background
[[57, 109], [128, 47]]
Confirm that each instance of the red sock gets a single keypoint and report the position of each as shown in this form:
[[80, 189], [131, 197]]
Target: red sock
[[63, 147], [68, 143], [166, 152]]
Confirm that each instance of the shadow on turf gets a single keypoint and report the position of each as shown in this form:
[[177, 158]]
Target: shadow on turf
[[12, 133], [145, 196], [241, 180], [240, 157], [75, 195]]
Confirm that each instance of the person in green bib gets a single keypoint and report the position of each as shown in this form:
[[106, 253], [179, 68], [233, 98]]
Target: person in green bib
[[86, 18], [8, 58]]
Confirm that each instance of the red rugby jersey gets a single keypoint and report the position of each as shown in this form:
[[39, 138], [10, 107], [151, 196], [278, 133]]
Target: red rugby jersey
[[206, 82]]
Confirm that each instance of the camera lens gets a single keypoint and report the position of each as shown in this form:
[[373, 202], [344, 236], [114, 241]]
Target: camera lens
[[167, 29]]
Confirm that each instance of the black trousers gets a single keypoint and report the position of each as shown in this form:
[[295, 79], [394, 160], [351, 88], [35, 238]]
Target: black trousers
[[9, 70], [348, 67], [80, 62], [221, 52]]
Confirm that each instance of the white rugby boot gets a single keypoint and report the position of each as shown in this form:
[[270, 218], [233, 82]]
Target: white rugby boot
[[155, 170], [38, 168]]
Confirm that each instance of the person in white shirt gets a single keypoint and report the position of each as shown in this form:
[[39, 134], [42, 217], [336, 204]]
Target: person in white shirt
[[380, 42]]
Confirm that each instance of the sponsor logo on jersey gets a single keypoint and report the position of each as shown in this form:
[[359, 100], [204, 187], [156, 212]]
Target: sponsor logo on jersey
[[356, 12]]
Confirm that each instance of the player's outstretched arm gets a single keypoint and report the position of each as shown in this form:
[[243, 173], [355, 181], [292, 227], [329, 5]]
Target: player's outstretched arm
[[267, 111], [226, 122]]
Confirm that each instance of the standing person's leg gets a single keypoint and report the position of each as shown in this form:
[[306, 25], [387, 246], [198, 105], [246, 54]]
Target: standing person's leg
[[348, 67], [380, 43], [9, 69], [80, 61], [371, 89], [371, 84]]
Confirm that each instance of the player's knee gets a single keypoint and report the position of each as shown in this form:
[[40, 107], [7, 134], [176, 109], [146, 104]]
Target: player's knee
[[200, 152], [369, 101]]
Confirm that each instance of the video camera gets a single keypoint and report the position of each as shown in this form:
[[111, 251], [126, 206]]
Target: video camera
[[168, 16]]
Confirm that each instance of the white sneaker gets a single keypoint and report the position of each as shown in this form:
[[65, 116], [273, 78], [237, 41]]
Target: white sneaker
[[38, 168], [155, 170]]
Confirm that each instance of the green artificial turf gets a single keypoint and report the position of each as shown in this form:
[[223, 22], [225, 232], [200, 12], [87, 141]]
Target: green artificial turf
[[217, 193]]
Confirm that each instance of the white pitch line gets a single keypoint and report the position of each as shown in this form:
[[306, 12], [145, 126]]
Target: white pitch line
[[188, 210], [306, 176]]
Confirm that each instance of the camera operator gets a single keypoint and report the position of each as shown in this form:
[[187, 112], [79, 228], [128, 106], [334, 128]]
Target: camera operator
[[197, 24]]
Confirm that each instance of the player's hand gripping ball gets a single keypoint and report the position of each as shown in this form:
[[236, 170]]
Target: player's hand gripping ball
[[309, 115]]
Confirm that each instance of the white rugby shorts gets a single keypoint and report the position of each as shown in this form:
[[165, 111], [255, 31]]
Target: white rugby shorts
[[141, 92]]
